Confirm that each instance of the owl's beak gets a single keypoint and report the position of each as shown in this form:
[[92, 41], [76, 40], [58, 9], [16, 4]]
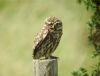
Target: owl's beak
[[51, 30], [53, 27]]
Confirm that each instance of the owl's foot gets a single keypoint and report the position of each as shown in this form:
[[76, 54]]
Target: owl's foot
[[47, 57], [50, 57]]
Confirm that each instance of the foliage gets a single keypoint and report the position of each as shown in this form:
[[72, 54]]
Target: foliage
[[88, 3], [96, 72], [94, 36], [81, 72]]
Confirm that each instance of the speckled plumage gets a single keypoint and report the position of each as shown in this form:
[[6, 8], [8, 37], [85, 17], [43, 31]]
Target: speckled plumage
[[48, 38]]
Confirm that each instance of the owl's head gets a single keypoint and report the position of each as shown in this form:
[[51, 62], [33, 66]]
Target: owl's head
[[53, 23]]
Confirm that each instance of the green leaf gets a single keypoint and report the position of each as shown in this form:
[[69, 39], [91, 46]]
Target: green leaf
[[83, 70]]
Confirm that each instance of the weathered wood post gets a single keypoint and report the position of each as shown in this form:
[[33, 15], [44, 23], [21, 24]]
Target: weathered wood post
[[45, 67]]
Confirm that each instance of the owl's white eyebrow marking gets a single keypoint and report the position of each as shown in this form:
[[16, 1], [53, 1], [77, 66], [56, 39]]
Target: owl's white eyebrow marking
[[49, 22]]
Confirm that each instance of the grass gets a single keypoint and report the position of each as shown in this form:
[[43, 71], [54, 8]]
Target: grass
[[20, 20]]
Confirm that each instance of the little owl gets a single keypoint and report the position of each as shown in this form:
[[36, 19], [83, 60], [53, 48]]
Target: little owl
[[48, 38]]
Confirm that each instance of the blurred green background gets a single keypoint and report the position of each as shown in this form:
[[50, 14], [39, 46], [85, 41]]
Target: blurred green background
[[20, 20]]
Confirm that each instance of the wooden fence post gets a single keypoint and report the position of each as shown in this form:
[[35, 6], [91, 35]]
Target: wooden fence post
[[45, 67]]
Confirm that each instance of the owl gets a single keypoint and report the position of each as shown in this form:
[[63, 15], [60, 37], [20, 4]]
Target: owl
[[47, 40]]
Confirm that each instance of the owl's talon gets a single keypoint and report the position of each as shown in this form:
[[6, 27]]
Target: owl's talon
[[50, 57]]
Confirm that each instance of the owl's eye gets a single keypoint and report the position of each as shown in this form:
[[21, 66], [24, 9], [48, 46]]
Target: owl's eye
[[57, 25], [52, 27]]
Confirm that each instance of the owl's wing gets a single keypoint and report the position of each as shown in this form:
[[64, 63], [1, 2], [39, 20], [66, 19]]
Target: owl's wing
[[39, 38]]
